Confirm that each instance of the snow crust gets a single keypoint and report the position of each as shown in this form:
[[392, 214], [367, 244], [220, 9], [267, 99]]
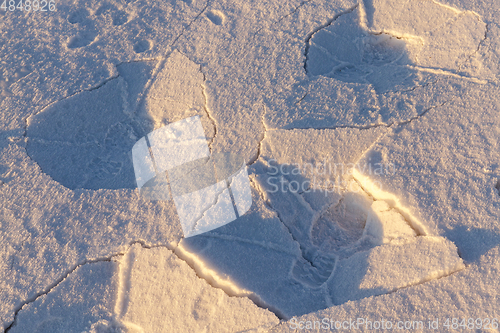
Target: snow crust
[[370, 130]]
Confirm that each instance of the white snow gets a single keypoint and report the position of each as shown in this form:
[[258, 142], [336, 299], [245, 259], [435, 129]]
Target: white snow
[[368, 133]]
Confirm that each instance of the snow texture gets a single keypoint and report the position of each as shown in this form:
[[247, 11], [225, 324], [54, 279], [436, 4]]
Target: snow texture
[[370, 130]]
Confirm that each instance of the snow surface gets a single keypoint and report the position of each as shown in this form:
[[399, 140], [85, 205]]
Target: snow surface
[[370, 130]]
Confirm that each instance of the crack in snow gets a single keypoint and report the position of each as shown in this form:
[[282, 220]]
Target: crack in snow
[[486, 31], [435, 276], [366, 127], [293, 11], [42, 109], [263, 197], [439, 71], [304, 2], [214, 204], [412, 88], [65, 143], [149, 84], [211, 276], [49, 288], [421, 114], [329, 22], [196, 264], [424, 68], [262, 244], [207, 110], [392, 201], [181, 253], [262, 137], [302, 98]]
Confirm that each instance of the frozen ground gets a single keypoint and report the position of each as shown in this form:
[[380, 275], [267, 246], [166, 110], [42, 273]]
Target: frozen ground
[[371, 134]]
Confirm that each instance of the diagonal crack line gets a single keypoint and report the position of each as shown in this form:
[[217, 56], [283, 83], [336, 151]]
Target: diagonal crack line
[[55, 284], [424, 280], [421, 114], [207, 110], [190, 23], [263, 244], [204, 212], [302, 3], [25, 120], [64, 143], [268, 204], [329, 22], [358, 127], [409, 222], [476, 51], [180, 254], [412, 88], [99, 85], [68, 272], [262, 137], [393, 124], [159, 67], [302, 98], [191, 261], [486, 32], [447, 72]]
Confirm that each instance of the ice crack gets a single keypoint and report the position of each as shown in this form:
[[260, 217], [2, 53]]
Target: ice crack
[[308, 38], [262, 138], [49, 288], [301, 247], [207, 110], [196, 264], [285, 16], [211, 276]]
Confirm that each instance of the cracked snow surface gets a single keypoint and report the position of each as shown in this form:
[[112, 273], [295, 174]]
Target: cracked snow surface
[[121, 277], [369, 131]]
